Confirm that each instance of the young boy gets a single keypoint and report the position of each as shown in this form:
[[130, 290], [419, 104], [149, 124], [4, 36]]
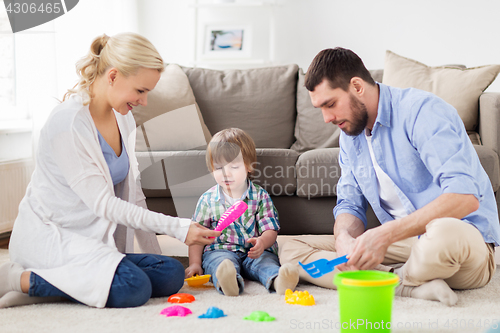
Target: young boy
[[247, 247]]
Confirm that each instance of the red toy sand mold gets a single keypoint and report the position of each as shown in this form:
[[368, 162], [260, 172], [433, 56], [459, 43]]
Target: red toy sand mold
[[181, 298]]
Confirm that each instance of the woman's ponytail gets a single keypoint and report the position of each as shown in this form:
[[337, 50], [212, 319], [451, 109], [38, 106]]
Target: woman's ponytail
[[127, 52], [88, 69]]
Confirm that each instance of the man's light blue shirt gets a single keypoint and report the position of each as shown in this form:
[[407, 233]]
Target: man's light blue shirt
[[420, 142]]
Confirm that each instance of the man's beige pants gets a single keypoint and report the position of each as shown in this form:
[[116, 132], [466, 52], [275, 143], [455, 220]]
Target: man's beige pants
[[450, 249]]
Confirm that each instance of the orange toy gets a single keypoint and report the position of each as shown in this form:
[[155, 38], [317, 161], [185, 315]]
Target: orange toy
[[181, 298], [197, 280]]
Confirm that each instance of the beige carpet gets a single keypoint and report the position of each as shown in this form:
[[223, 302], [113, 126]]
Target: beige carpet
[[476, 309]]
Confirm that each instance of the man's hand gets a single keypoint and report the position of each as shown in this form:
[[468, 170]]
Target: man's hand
[[346, 229], [257, 249], [344, 244], [193, 269], [198, 234], [370, 248]]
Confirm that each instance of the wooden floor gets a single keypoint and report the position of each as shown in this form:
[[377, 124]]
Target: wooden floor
[[4, 242]]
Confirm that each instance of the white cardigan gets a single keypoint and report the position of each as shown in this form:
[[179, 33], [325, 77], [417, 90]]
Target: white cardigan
[[67, 220]]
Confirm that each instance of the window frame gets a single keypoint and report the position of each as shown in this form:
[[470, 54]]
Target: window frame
[[10, 110]]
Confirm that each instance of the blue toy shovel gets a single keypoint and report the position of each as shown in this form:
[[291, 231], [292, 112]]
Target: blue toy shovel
[[322, 266]]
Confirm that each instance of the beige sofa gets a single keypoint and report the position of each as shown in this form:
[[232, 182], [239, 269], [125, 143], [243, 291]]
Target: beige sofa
[[297, 152]]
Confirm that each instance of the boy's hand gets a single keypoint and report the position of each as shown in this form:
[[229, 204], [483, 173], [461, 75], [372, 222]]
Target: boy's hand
[[193, 269], [257, 249], [198, 234]]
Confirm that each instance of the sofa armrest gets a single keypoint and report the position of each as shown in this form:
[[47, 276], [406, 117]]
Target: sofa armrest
[[489, 120]]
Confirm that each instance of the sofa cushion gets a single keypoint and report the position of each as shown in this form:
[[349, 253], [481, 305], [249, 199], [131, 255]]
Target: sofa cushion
[[261, 101], [457, 86], [474, 137], [275, 171], [171, 120], [318, 172], [174, 173], [490, 163], [311, 131], [377, 74], [185, 174]]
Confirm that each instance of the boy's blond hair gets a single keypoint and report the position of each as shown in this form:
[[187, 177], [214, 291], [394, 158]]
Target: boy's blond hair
[[227, 144]]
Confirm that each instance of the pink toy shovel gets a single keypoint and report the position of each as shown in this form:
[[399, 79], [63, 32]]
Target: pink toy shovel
[[234, 212]]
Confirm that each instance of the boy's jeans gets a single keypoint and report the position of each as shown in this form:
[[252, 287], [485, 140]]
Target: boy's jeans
[[263, 269]]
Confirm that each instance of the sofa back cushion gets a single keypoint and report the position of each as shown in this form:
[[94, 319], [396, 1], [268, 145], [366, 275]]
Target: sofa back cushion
[[261, 101], [377, 74], [318, 173], [171, 120], [311, 131], [184, 173], [460, 87], [275, 171]]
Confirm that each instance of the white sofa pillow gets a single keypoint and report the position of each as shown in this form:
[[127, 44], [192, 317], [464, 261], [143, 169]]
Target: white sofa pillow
[[460, 87], [171, 120]]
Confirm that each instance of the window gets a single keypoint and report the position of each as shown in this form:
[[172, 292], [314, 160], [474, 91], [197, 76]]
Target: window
[[7, 68]]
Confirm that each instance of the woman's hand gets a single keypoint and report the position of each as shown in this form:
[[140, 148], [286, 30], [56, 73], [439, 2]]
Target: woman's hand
[[193, 269], [198, 234]]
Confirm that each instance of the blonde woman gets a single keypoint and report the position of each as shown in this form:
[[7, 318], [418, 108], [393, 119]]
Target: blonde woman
[[85, 200]]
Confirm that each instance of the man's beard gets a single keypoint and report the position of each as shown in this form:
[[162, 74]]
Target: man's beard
[[359, 117]]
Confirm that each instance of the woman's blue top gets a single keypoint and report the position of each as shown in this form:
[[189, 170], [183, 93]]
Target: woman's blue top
[[118, 165]]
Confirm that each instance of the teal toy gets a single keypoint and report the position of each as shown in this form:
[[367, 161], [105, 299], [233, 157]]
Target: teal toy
[[213, 312]]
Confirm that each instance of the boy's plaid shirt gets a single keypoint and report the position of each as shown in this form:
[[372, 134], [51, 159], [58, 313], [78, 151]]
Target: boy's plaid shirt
[[260, 216]]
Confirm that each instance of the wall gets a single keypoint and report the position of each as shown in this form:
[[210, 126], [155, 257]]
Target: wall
[[430, 31], [75, 31], [46, 54]]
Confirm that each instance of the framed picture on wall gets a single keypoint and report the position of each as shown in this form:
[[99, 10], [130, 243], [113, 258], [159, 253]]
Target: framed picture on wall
[[227, 41]]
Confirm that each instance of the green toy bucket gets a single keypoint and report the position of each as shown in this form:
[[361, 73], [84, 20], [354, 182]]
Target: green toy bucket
[[365, 300]]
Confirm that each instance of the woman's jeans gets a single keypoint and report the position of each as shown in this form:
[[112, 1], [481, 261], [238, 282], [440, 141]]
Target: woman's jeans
[[138, 277], [263, 269]]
